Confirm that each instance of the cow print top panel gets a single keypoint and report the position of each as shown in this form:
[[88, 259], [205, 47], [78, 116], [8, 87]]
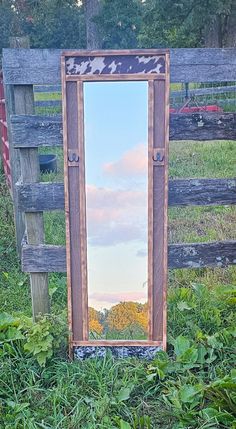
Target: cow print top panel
[[115, 64]]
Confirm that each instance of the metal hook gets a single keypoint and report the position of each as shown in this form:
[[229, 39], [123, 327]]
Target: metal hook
[[73, 158], [158, 157]]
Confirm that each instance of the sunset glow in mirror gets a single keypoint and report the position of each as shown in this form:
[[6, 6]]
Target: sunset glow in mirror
[[116, 135]]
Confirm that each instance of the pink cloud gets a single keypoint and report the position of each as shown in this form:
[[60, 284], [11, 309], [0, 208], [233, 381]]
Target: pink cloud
[[132, 163], [115, 216], [115, 297]]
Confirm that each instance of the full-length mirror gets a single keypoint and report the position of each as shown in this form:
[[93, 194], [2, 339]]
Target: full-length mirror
[[115, 135], [116, 184]]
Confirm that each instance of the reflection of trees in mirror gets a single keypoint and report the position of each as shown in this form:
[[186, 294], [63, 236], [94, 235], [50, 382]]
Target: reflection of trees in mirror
[[126, 320]]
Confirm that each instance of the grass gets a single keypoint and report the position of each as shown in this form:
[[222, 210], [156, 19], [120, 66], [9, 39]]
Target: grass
[[193, 386]]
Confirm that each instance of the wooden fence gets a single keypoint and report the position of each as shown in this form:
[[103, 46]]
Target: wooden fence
[[28, 132]]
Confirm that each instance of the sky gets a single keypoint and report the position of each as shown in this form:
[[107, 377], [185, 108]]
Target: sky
[[116, 191]]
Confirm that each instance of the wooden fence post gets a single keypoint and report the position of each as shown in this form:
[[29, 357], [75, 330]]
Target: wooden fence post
[[34, 227], [9, 90], [26, 169]]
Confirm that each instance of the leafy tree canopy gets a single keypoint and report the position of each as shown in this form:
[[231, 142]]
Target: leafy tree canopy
[[120, 22], [48, 23]]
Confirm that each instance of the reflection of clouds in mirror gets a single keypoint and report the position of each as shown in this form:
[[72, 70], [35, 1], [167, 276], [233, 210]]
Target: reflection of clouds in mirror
[[141, 253], [114, 297], [115, 216], [132, 163], [116, 192]]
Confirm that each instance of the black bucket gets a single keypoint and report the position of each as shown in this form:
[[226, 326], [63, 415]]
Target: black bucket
[[48, 163]]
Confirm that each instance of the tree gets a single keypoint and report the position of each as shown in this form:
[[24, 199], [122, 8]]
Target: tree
[[95, 325], [48, 23], [6, 23], [127, 316], [55, 24], [220, 30], [119, 22], [93, 36], [188, 23]]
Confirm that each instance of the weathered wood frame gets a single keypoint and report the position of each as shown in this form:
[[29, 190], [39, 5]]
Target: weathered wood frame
[[75, 206]]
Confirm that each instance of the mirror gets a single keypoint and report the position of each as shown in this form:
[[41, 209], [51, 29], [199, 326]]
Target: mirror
[[116, 176]]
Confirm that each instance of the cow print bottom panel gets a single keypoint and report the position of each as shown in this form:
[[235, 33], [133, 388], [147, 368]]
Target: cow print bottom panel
[[84, 352]]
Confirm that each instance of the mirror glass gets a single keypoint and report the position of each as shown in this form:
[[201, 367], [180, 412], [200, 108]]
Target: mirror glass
[[116, 136]]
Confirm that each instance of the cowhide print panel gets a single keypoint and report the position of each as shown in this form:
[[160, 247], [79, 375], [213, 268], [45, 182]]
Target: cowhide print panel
[[115, 64]]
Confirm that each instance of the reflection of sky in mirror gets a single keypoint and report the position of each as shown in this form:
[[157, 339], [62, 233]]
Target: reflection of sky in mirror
[[116, 188]]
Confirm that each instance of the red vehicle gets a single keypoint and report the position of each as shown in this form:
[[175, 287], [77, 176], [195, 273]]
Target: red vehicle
[[194, 109]]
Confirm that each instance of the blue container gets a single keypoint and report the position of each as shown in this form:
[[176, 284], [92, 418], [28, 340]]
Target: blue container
[[48, 163]]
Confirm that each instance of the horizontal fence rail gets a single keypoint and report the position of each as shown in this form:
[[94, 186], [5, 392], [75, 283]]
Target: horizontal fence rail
[[42, 66], [48, 258], [47, 103], [41, 130], [182, 192]]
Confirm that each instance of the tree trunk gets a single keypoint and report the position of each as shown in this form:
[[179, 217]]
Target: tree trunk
[[230, 32], [92, 9], [213, 33]]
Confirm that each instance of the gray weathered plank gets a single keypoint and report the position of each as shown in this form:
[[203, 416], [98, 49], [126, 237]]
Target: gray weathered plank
[[48, 258], [203, 126], [36, 130], [29, 161], [42, 66], [14, 166], [202, 192], [213, 254], [182, 192], [47, 103], [47, 88]]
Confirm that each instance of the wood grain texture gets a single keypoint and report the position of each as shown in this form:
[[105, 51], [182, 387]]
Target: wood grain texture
[[72, 195], [203, 126], [14, 159], [118, 343], [182, 192], [115, 78], [48, 103], [34, 225], [82, 215], [42, 66], [67, 205], [160, 182], [218, 254], [36, 131], [202, 192], [150, 207], [166, 184]]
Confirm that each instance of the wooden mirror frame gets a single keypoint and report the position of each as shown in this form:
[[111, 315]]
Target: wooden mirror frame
[[77, 67]]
